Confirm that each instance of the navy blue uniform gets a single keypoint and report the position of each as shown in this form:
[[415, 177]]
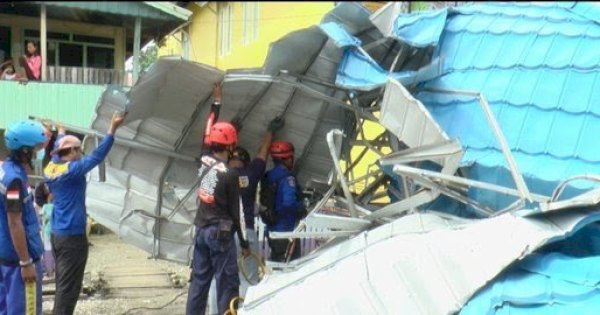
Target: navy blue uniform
[[14, 196], [249, 178], [289, 209], [217, 219]]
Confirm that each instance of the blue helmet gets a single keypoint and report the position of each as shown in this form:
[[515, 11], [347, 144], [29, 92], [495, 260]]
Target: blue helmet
[[25, 133]]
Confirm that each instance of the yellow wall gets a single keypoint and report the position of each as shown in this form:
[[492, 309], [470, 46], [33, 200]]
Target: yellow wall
[[19, 23], [276, 19]]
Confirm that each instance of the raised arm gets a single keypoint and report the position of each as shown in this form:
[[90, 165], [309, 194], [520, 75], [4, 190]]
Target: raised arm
[[276, 124]]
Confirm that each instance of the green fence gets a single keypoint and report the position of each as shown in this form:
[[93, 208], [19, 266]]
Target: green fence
[[72, 104]]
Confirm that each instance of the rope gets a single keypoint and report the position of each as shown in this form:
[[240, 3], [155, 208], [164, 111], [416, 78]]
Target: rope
[[232, 309], [158, 307], [261, 268]]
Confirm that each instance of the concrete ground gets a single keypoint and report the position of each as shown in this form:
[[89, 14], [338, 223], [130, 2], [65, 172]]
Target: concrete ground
[[128, 282]]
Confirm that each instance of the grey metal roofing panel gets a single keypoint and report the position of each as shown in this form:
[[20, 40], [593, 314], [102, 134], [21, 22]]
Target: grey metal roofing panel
[[168, 109], [419, 264]]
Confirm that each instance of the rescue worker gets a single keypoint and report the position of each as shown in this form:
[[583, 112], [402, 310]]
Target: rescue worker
[[250, 173], [217, 219], [65, 175], [20, 242], [289, 208]]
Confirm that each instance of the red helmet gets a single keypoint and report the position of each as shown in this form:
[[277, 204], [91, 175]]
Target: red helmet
[[282, 150], [222, 133]]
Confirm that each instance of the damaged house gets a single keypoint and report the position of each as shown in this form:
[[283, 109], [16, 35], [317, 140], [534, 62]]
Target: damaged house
[[490, 110]]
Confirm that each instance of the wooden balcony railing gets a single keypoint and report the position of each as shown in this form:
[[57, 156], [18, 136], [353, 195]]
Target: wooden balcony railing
[[81, 75]]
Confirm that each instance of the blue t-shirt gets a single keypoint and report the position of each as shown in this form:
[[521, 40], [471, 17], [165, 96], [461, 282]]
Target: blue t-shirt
[[288, 205], [67, 183], [249, 178]]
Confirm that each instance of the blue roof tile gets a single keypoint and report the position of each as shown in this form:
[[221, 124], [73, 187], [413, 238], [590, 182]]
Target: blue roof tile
[[543, 283], [537, 64]]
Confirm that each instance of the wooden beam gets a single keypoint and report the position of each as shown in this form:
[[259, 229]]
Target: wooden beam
[[43, 41]]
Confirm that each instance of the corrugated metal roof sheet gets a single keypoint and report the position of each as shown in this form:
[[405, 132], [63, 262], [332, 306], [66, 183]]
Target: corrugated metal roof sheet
[[158, 11], [419, 264], [72, 104]]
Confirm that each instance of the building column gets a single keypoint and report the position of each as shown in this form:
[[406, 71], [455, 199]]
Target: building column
[[43, 41], [136, 48], [186, 43]]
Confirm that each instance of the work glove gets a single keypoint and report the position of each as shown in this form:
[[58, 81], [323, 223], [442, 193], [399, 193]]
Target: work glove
[[216, 93], [276, 124]]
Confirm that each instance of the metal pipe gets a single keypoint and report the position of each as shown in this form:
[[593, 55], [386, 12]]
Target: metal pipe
[[336, 163], [514, 170], [302, 225], [185, 198], [416, 172], [358, 179], [312, 92], [560, 188], [124, 142], [480, 208]]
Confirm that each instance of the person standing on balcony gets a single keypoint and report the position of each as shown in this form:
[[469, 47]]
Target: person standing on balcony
[[31, 61], [65, 175], [20, 242]]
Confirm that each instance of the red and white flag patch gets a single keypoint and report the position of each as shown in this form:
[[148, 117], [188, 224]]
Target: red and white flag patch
[[12, 194]]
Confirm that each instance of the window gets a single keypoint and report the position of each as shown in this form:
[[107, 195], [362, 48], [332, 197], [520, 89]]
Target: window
[[5, 39], [100, 57], [251, 19], [70, 55], [75, 50], [225, 12]]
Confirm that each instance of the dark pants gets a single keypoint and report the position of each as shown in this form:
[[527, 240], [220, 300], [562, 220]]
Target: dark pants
[[70, 255], [212, 257], [279, 248]]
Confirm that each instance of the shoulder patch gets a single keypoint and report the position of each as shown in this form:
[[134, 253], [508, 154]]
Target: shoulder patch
[[291, 181], [54, 170], [12, 194], [244, 181]]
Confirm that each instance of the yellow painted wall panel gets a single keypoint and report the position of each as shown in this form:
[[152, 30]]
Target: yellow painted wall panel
[[276, 19]]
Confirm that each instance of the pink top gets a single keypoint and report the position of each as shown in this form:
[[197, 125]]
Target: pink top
[[35, 64]]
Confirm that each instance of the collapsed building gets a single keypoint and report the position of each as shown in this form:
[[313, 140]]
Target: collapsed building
[[490, 111]]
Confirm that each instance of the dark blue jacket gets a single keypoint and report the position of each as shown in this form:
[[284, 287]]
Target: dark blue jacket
[[9, 172], [67, 183], [288, 205], [249, 178]]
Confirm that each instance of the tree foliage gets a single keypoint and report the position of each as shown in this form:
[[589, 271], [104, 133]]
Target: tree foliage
[[148, 57]]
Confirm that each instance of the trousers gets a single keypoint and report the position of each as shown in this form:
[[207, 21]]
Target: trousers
[[70, 257], [13, 300], [213, 257]]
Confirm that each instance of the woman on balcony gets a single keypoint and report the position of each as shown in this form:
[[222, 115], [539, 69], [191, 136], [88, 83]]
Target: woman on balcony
[[32, 61]]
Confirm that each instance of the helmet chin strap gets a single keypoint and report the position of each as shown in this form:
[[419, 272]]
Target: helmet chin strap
[[24, 156]]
